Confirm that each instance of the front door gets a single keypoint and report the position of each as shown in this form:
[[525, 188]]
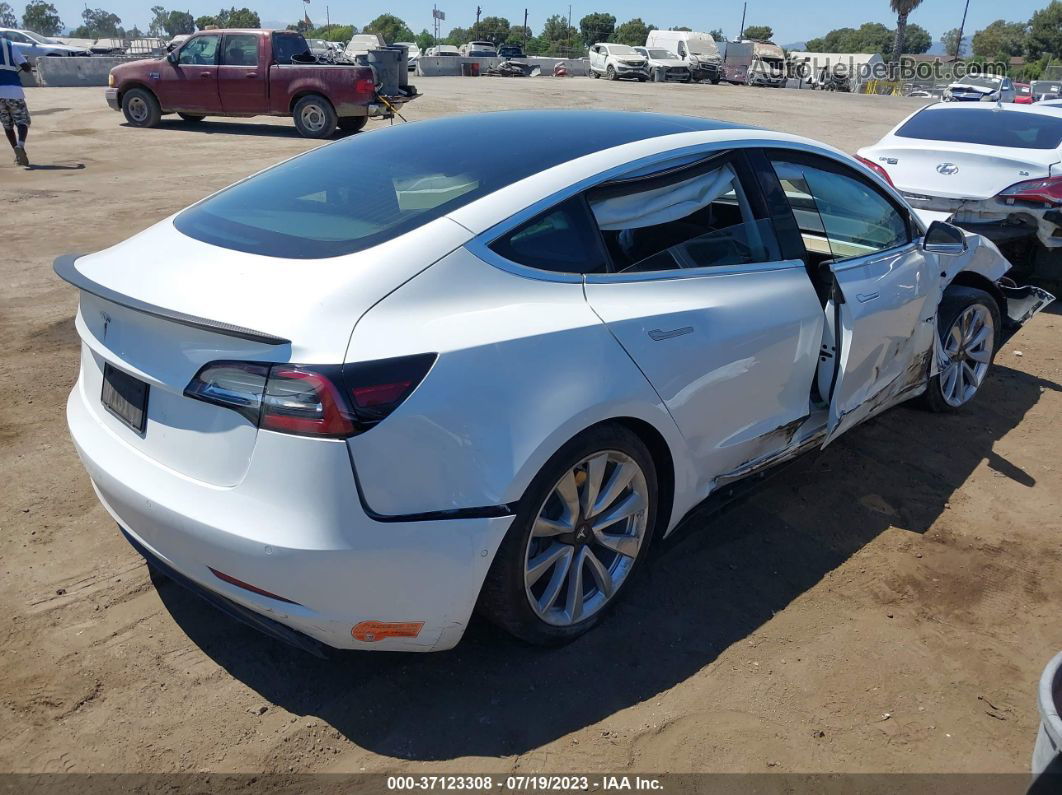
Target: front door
[[242, 83], [191, 84], [884, 304], [700, 297]]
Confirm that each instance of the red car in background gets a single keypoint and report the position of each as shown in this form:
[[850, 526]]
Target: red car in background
[[1023, 94], [252, 73]]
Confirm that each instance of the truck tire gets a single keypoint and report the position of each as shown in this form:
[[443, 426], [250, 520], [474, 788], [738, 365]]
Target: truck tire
[[140, 108], [351, 124], [191, 118], [315, 117]]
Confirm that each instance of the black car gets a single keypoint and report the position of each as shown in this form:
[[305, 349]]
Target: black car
[[511, 51]]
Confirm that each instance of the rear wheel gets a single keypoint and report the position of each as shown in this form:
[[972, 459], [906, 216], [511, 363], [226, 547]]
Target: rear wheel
[[969, 325], [140, 108], [315, 117], [191, 118], [594, 74], [353, 123], [583, 528]]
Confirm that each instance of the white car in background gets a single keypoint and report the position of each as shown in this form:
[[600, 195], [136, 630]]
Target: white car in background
[[981, 89], [615, 61], [33, 45], [485, 360], [675, 69], [412, 54], [996, 170]]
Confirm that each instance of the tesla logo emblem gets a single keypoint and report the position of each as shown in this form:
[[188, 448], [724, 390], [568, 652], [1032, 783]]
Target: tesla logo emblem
[[106, 323], [947, 169]]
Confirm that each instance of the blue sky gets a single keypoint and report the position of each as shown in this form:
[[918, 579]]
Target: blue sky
[[792, 20]]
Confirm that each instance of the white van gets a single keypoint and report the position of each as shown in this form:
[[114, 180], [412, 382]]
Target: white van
[[361, 43], [696, 50]]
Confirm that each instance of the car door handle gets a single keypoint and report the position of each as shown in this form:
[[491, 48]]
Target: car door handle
[[206, 75], [251, 75], [659, 336], [865, 297]]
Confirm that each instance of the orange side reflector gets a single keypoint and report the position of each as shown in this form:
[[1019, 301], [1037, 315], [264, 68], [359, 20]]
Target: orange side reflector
[[372, 631]]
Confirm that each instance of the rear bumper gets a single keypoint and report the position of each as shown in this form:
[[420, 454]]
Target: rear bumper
[[293, 527], [111, 95], [996, 219]]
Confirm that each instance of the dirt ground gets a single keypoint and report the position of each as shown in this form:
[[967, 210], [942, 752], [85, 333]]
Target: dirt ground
[[886, 605]]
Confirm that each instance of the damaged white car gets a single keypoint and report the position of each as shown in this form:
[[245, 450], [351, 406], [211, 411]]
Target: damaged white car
[[992, 169], [485, 360]]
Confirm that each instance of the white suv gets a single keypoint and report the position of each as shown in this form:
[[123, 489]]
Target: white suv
[[617, 60]]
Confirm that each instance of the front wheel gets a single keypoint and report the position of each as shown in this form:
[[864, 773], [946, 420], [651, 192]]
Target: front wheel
[[583, 528], [610, 73], [140, 108], [315, 117], [969, 325]]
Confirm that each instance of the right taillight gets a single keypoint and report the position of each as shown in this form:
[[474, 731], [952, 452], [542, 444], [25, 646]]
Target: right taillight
[[1044, 190], [333, 401]]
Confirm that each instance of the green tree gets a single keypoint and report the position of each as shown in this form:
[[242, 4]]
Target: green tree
[[239, 18], [1001, 38], [519, 34], [458, 36], [556, 29], [41, 17], [633, 32], [1045, 32], [597, 27], [390, 28], [7, 16], [682, 28], [204, 22], [952, 45], [159, 17], [759, 32], [717, 34], [424, 39], [493, 29], [917, 41], [902, 9], [98, 24]]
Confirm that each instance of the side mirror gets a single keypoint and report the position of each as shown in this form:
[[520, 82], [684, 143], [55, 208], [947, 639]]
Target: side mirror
[[172, 57], [943, 238]]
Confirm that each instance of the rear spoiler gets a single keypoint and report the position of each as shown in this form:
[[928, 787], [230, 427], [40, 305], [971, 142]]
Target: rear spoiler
[[65, 270]]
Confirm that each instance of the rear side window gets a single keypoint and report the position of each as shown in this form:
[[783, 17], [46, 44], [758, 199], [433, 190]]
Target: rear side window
[[986, 127], [240, 50], [561, 240], [288, 46]]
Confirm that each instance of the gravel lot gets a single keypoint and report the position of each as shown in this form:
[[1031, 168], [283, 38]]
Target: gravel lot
[[886, 605]]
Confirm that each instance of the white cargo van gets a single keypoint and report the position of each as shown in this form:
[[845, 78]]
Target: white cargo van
[[698, 51]]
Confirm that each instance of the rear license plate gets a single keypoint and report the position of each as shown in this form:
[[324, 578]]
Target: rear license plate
[[125, 397]]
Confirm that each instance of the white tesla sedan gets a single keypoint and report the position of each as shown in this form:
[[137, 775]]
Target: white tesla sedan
[[487, 359], [993, 169]]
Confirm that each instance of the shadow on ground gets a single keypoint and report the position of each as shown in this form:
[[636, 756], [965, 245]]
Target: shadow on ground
[[716, 583], [228, 127]]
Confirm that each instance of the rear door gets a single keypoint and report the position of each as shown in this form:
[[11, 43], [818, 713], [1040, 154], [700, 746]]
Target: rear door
[[700, 297], [191, 84], [242, 83], [885, 296]]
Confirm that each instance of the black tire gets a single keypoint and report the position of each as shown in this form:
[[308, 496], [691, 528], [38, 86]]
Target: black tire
[[955, 302], [594, 74], [352, 124], [191, 118], [715, 81], [140, 108], [504, 599], [315, 117], [610, 73]]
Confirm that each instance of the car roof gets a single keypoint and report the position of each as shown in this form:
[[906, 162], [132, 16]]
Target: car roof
[[998, 107]]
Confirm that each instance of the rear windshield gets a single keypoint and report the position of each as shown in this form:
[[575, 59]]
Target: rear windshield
[[986, 127], [371, 187]]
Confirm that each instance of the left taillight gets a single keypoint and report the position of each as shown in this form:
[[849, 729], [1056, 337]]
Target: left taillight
[[1045, 190], [877, 169], [331, 401]]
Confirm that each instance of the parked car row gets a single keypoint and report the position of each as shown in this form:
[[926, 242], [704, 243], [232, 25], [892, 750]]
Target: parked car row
[[33, 45]]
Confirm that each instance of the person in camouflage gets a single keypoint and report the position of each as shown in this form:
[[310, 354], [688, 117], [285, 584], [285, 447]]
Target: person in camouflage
[[14, 115]]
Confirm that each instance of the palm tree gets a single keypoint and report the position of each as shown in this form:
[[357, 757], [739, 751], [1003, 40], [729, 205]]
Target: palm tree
[[902, 9]]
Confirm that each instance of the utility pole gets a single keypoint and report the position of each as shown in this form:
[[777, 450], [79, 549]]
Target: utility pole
[[962, 29], [328, 20], [741, 35], [525, 27], [475, 28], [568, 32]]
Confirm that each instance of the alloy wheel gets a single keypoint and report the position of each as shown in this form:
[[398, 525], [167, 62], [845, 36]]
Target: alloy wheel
[[968, 348], [586, 538], [138, 109], [313, 118]]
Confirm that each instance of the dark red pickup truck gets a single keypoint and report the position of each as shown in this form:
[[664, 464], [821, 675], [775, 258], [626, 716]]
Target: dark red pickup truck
[[251, 73]]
